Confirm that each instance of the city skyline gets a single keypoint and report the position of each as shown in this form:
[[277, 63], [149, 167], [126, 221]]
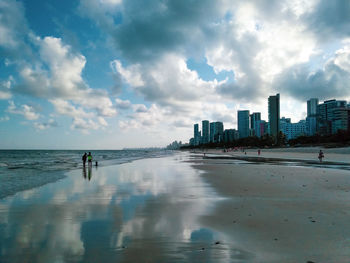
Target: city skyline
[[113, 74], [324, 118]]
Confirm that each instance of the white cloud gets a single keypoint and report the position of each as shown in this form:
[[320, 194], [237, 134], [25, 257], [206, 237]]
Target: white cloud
[[123, 104], [45, 125], [26, 111], [5, 89], [5, 118]]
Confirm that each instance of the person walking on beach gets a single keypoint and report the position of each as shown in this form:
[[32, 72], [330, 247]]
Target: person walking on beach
[[84, 158], [320, 156], [89, 157]]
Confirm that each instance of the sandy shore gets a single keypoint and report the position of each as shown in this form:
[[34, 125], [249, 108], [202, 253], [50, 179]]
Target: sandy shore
[[281, 213]]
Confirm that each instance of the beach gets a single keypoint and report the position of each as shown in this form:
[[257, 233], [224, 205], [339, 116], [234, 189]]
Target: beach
[[183, 208]]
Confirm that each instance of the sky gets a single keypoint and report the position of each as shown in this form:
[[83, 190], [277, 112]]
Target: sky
[[113, 74]]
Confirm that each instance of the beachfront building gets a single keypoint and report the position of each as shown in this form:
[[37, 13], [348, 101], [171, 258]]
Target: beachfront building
[[340, 119], [205, 131], [327, 116], [218, 131], [274, 115], [243, 123], [211, 131], [311, 119], [196, 135], [292, 130], [230, 135], [261, 128], [254, 118]]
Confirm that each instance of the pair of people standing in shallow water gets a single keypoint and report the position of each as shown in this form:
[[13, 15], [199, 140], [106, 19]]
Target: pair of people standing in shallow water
[[88, 157]]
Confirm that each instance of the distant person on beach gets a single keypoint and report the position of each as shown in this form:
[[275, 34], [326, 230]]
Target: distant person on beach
[[84, 158], [320, 156], [89, 157], [259, 152]]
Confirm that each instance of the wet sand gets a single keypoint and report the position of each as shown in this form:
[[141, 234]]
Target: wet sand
[[181, 208], [281, 213]]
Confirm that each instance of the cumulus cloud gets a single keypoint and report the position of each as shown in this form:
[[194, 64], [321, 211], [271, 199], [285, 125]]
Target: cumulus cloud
[[168, 81], [13, 30], [25, 110], [45, 125], [331, 80], [329, 19], [150, 29], [5, 89], [82, 119], [123, 104]]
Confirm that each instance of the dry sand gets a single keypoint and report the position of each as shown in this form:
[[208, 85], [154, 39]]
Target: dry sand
[[281, 213], [303, 153]]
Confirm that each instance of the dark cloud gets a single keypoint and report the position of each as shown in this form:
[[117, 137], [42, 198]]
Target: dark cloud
[[150, 28], [329, 19]]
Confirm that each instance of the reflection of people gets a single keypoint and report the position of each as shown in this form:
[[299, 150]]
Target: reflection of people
[[320, 156], [84, 158], [89, 172], [84, 172], [89, 157]]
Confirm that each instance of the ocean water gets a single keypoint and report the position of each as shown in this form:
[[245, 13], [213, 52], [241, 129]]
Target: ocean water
[[25, 169]]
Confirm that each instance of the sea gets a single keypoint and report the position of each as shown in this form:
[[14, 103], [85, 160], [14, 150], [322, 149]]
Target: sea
[[25, 169]]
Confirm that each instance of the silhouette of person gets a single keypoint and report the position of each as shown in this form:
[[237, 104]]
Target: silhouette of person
[[320, 156], [89, 158], [84, 158]]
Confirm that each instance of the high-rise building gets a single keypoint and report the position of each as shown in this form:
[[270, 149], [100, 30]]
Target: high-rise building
[[340, 118], [254, 118], [260, 128], [205, 131], [218, 131], [274, 115], [311, 119], [196, 137], [243, 123], [326, 115], [212, 129], [292, 130]]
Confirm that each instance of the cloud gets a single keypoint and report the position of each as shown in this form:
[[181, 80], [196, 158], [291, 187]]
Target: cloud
[[26, 111], [329, 20], [123, 104], [103, 12], [5, 118], [45, 125], [5, 89], [82, 119], [327, 82], [168, 81], [14, 32]]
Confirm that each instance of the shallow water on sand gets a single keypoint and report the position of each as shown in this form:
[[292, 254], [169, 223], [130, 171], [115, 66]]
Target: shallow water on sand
[[145, 211]]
